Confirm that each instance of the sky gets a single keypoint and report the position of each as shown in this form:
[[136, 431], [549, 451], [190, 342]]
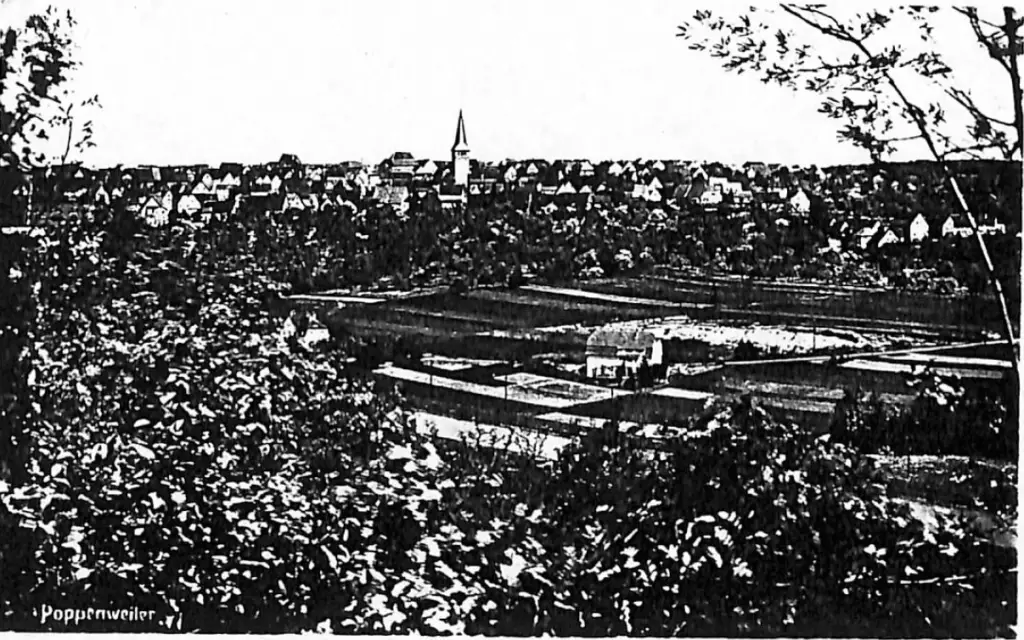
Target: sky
[[210, 81]]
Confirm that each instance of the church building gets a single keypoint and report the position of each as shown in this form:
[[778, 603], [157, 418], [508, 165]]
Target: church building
[[460, 155]]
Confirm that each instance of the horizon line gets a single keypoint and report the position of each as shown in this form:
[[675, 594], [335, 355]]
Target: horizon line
[[490, 161]]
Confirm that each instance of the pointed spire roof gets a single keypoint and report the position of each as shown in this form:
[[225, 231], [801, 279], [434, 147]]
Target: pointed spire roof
[[460, 136]]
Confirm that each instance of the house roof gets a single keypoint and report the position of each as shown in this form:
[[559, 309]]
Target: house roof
[[906, 224], [426, 167], [612, 341], [234, 168], [401, 156], [391, 195], [880, 235]]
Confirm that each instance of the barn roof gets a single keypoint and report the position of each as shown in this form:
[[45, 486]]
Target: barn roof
[[611, 341]]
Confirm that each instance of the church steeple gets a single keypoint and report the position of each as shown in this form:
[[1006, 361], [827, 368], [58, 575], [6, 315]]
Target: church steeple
[[460, 136], [460, 154]]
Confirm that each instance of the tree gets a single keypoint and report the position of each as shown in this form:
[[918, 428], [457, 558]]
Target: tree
[[36, 61], [37, 112], [886, 89]]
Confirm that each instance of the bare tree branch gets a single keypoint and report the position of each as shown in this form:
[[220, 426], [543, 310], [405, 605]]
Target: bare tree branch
[[1012, 25], [967, 102], [876, 71]]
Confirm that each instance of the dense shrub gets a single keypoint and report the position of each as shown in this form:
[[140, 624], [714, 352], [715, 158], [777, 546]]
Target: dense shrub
[[946, 417], [191, 454], [760, 537]]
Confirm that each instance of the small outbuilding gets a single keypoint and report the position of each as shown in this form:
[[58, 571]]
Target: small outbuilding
[[616, 353]]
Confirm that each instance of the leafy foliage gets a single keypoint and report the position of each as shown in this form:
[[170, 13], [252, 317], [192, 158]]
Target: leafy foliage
[[885, 90], [192, 454], [869, 83], [945, 417], [180, 446]]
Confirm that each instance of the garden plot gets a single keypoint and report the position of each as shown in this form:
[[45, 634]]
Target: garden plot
[[802, 391], [446, 363], [784, 340], [551, 393], [572, 390], [932, 360], [576, 391], [522, 379], [543, 446], [685, 394], [910, 369], [599, 296], [582, 424]]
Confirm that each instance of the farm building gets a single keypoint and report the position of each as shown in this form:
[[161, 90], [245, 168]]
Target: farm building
[[615, 353]]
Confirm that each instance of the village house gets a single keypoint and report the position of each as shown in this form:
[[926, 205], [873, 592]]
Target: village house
[[293, 201], [652, 193], [259, 185], [394, 196], [153, 212], [864, 236], [959, 226], [917, 229], [886, 236], [226, 185], [948, 226], [189, 205], [710, 197], [995, 227], [204, 188], [102, 196], [756, 169], [331, 182], [398, 167], [426, 170], [615, 354], [566, 189], [800, 203]]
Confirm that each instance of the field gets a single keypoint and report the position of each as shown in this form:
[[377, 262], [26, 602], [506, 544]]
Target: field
[[952, 311], [545, 446], [548, 393], [478, 343]]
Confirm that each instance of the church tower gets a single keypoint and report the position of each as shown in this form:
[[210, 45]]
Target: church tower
[[460, 154]]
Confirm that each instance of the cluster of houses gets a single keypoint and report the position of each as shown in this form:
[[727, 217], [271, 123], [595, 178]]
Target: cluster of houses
[[404, 182], [917, 229]]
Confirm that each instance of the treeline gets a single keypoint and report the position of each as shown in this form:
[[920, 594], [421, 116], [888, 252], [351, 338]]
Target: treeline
[[945, 418], [501, 244], [901, 190]]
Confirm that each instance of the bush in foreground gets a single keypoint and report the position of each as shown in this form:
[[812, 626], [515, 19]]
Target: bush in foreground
[[192, 456]]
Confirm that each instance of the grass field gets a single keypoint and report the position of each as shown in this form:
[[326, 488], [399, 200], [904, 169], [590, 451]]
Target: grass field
[[508, 326], [773, 302], [887, 315], [868, 375], [544, 446]]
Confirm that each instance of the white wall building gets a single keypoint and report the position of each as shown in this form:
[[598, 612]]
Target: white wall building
[[613, 353]]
